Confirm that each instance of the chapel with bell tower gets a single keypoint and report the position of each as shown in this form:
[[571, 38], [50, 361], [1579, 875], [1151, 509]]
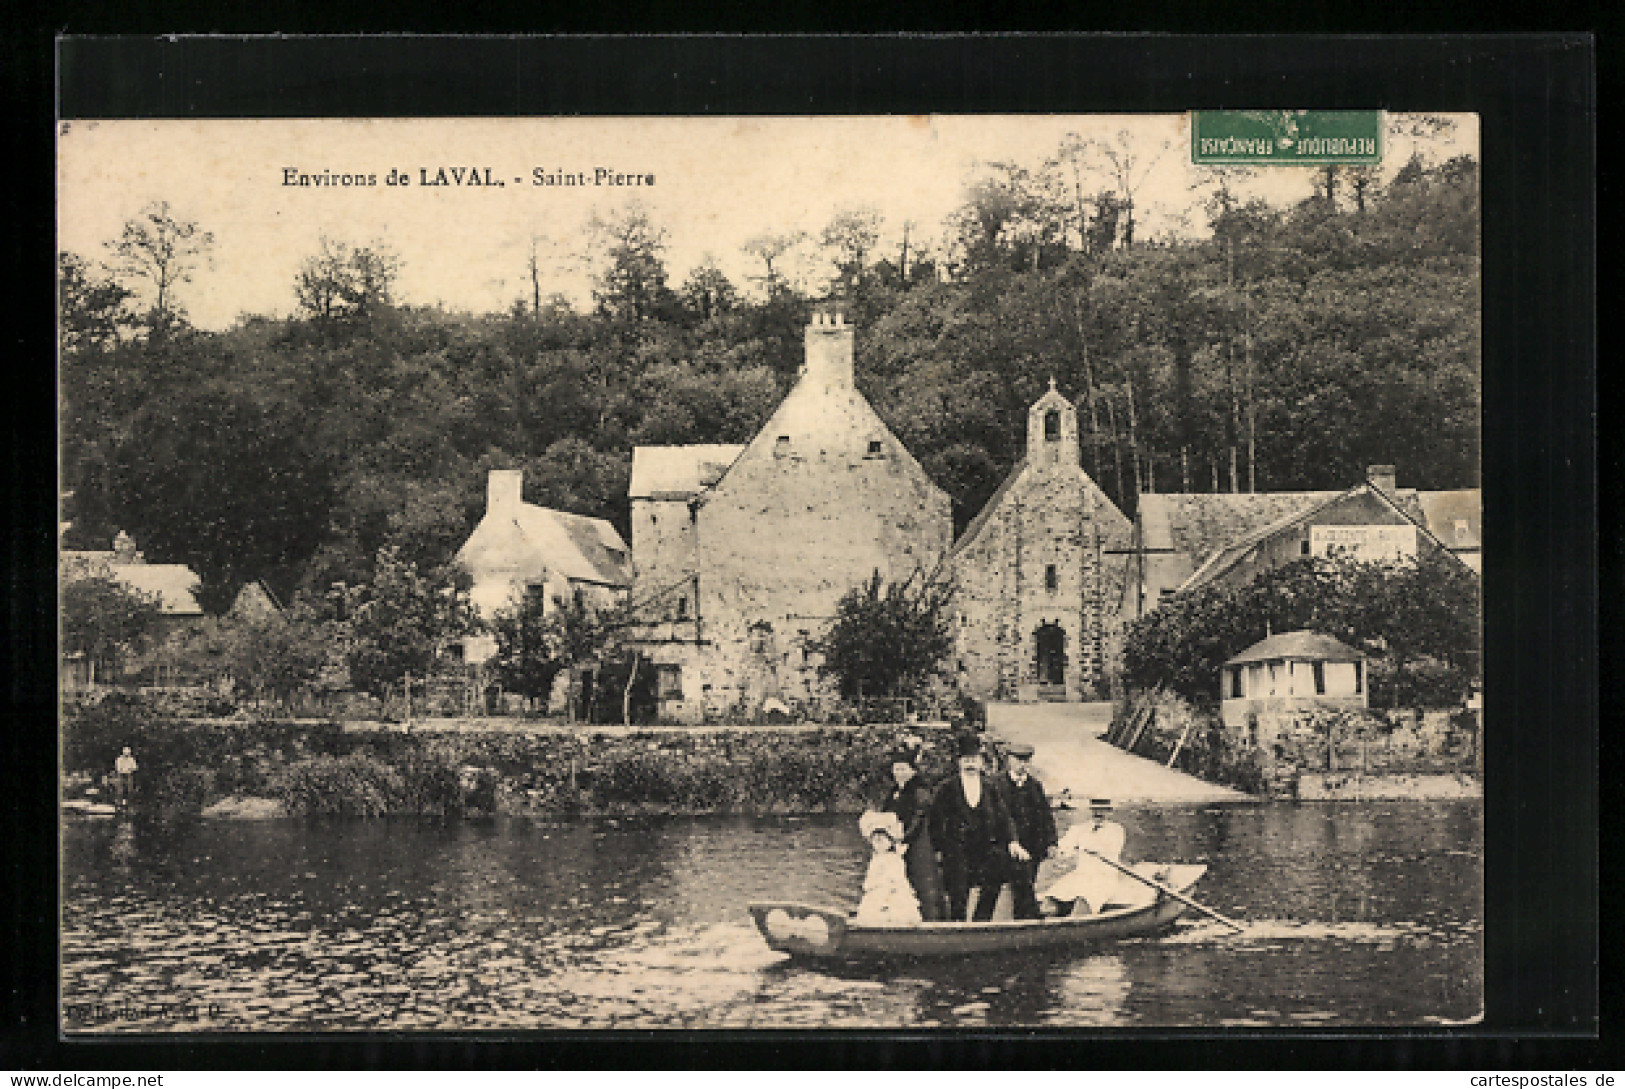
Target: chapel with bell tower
[[1038, 572]]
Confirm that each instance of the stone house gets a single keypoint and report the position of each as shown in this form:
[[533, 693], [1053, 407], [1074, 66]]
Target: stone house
[[1039, 572], [1367, 522], [519, 547], [173, 586], [1174, 535], [742, 552]]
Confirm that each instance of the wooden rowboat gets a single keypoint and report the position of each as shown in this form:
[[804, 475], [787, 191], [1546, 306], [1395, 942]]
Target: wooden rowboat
[[829, 934]]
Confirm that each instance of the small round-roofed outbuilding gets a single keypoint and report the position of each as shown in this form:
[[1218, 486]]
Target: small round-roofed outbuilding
[[1296, 669]]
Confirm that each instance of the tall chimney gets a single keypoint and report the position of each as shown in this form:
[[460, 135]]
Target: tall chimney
[[1383, 479], [503, 489], [829, 351]]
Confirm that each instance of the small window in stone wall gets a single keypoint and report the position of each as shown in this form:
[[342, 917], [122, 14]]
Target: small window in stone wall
[[1235, 684], [1052, 426], [1051, 581], [874, 449], [682, 608], [669, 682], [1320, 677], [782, 446]]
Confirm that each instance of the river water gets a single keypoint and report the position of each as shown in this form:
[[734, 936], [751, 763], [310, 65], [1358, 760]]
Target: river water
[[1355, 914]]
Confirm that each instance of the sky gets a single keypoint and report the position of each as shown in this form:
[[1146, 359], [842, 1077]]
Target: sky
[[717, 182]]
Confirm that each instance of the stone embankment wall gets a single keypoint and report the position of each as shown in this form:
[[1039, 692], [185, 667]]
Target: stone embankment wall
[[188, 768], [1321, 752]]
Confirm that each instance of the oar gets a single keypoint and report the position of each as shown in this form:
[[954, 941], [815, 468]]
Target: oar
[[1175, 893]]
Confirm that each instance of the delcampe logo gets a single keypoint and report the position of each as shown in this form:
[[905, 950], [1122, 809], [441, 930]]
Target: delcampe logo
[[1286, 137]]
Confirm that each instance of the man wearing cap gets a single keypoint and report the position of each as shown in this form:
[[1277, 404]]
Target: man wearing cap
[[1034, 824], [971, 828]]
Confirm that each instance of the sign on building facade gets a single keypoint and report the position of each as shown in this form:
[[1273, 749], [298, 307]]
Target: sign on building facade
[[1368, 543]]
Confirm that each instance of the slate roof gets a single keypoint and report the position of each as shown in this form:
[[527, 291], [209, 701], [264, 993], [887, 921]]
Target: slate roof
[[173, 585], [1299, 646], [1231, 554], [1441, 511], [679, 472], [528, 538], [1199, 524]]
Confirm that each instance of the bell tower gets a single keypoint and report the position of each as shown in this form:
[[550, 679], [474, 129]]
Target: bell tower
[[1052, 432]]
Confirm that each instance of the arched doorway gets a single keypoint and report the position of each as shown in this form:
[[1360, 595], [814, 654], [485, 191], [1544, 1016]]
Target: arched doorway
[[1050, 640]]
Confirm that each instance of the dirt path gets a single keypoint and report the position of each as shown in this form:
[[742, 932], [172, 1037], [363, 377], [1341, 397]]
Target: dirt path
[[1069, 754]]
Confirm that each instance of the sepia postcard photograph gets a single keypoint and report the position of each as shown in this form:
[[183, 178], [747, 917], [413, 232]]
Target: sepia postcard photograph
[[948, 571]]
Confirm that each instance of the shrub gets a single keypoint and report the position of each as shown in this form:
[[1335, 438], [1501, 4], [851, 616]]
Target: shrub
[[171, 797], [636, 777], [428, 784], [339, 786]]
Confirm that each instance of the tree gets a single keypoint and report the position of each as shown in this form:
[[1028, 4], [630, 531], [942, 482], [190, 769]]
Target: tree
[[539, 638], [283, 654], [707, 293], [888, 639], [162, 250], [344, 282], [90, 308], [238, 491], [769, 247], [1397, 613], [851, 236], [103, 619], [398, 623], [631, 285]]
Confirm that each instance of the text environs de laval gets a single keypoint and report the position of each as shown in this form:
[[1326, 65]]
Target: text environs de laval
[[432, 177]]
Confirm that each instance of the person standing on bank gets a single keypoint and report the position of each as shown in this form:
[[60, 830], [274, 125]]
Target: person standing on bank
[[974, 835], [1034, 825], [910, 799], [124, 769]]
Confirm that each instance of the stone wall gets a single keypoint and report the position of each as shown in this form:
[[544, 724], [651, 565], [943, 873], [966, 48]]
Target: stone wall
[[664, 548]]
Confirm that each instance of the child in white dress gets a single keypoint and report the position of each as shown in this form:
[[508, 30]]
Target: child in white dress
[[888, 898]]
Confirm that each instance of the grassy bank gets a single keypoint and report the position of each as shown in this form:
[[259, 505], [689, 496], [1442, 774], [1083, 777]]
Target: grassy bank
[[322, 770]]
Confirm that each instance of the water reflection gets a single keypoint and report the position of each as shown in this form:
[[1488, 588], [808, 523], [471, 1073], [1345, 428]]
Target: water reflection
[[1355, 915]]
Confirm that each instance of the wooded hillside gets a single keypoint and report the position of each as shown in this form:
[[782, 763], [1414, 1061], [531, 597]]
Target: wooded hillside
[[1285, 351]]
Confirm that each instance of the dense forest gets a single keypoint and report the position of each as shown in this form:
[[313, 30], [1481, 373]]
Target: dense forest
[[1286, 348]]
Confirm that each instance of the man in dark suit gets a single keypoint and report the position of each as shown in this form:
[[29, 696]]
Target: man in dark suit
[[971, 828], [1030, 814]]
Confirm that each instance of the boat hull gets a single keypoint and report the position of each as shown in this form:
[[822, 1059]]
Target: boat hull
[[828, 934]]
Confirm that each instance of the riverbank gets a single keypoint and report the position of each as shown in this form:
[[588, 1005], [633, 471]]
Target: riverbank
[[1309, 752], [247, 770]]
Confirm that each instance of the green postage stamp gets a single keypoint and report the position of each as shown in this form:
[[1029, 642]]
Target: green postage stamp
[[1286, 137]]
